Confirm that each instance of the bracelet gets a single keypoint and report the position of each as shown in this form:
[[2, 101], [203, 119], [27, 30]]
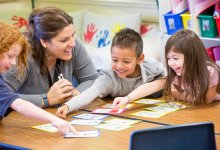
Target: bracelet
[[129, 99], [45, 100]]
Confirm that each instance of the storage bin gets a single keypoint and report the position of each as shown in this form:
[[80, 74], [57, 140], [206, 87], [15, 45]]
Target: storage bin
[[217, 19], [173, 22], [211, 53], [216, 51], [207, 26], [187, 22]]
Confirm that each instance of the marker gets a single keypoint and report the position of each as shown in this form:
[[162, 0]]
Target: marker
[[60, 76]]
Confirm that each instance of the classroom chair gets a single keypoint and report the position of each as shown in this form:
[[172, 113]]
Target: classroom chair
[[196, 136], [4, 146]]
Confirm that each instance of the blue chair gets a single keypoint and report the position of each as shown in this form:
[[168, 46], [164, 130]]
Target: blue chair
[[4, 146], [197, 136]]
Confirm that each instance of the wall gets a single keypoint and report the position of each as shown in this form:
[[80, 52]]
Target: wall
[[148, 8]]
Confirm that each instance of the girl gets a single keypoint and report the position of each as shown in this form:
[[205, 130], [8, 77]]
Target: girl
[[13, 49], [192, 75]]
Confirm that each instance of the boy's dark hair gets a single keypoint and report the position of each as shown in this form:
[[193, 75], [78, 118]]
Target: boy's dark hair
[[128, 38]]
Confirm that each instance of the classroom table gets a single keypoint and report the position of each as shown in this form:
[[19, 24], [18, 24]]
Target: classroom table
[[202, 113], [16, 129]]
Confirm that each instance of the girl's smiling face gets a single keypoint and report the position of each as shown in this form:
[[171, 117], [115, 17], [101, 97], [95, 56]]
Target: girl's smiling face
[[176, 62]]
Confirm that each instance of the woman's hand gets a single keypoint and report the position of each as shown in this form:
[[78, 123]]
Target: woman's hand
[[60, 92]]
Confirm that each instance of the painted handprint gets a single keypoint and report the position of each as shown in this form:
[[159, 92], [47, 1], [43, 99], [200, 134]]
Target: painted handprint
[[90, 32], [102, 42], [20, 22], [145, 28], [117, 27]]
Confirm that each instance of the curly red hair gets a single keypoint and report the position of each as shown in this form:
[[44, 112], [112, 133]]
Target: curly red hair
[[10, 35]]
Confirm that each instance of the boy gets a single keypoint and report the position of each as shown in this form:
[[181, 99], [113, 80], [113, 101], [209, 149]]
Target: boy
[[129, 71]]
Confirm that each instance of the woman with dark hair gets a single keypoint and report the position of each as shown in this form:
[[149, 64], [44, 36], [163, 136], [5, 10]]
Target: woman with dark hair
[[56, 52], [13, 52]]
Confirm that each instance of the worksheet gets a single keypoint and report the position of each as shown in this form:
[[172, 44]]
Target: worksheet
[[114, 127], [91, 116], [109, 111], [150, 114], [149, 101], [121, 121], [87, 133], [85, 122], [110, 106], [46, 127]]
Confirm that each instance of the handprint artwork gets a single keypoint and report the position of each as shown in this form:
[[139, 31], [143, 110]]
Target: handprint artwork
[[20, 22], [117, 27], [102, 42], [90, 32]]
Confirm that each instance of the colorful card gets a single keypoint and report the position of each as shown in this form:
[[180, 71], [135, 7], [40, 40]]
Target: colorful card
[[85, 122], [46, 127], [89, 133], [149, 101], [114, 127], [162, 109], [91, 116], [123, 122], [175, 105], [150, 114], [110, 106], [109, 111]]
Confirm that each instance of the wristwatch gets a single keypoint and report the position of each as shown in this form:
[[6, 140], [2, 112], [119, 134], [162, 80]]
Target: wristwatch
[[45, 100]]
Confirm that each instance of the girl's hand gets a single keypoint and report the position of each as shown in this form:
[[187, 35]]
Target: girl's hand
[[62, 111], [120, 101], [59, 91], [63, 126]]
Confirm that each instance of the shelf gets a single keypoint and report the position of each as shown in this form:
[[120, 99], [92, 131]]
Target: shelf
[[208, 42]]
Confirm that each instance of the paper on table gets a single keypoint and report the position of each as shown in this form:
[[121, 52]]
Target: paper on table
[[120, 121], [109, 111], [85, 122], [88, 133], [91, 116], [46, 127], [114, 127], [149, 101]]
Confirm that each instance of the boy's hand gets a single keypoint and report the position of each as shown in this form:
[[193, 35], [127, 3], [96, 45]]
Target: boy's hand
[[62, 111], [120, 101]]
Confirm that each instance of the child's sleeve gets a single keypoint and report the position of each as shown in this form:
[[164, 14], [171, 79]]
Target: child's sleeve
[[100, 88], [155, 67]]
